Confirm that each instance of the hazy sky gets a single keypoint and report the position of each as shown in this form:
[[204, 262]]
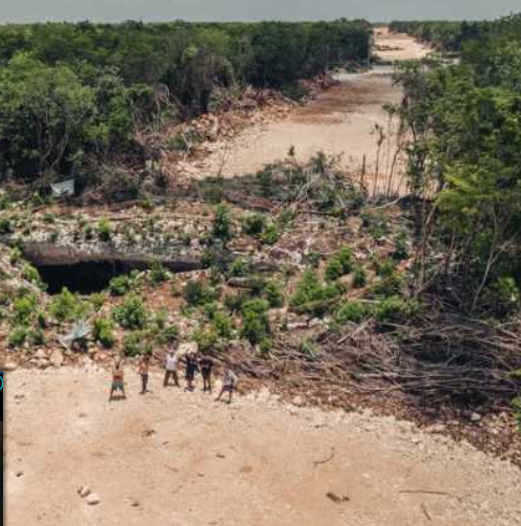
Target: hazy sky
[[157, 10]]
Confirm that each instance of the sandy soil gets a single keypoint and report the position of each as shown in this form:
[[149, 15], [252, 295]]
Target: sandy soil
[[341, 121], [172, 458]]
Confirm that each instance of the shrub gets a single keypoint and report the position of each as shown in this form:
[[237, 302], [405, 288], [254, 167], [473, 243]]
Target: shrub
[[104, 229], [97, 300], [254, 225], [273, 292], [206, 338], [504, 296], [223, 325], [15, 255], [401, 250], [24, 308], [271, 235], [120, 285], [18, 336], [310, 289], [5, 226], [239, 268], [67, 306], [384, 268], [32, 275], [197, 293], [131, 314], [389, 286], [352, 311], [103, 332], [233, 302], [255, 323], [359, 277], [222, 224], [396, 310], [136, 344], [169, 335], [158, 274], [340, 264]]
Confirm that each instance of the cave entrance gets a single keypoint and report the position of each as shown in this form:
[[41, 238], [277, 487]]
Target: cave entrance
[[83, 278]]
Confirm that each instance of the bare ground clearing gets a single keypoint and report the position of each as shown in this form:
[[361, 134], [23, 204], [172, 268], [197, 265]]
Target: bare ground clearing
[[340, 122], [174, 458]]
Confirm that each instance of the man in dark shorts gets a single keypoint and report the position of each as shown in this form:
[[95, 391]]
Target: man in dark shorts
[[206, 366], [229, 385], [191, 369], [117, 381]]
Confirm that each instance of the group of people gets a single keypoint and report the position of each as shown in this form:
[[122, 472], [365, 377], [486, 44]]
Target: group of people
[[192, 363]]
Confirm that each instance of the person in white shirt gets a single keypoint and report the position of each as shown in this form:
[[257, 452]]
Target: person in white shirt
[[171, 368]]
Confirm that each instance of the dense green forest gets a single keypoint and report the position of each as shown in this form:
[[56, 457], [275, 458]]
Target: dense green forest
[[465, 124], [72, 95]]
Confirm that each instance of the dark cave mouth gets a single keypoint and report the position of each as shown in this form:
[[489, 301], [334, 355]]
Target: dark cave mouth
[[83, 277]]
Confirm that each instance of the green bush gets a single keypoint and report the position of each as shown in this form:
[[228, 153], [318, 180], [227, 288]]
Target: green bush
[[103, 332], [131, 314], [274, 293], [359, 277], [32, 275], [271, 235], [396, 310], [197, 293], [388, 286], [97, 300], [169, 335], [24, 308], [504, 297], [384, 268], [67, 306], [401, 250], [352, 311], [233, 302], [223, 325], [120, 285], [104, 229], [310, 289], [206, 338], [5, 226], [158, 274], [222, 228], [239, 268], [255, 323], [18, 336], [15, 255], [340, 264], [136, 344], [254, 225]]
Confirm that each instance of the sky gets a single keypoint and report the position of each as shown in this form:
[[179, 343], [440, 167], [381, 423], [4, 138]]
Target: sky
[[251, 10]]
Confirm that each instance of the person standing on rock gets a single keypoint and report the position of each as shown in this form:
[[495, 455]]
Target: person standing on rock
[[191, 369], [117, 380], [229, 385], [143, 369], [171, 368], [206, 366]]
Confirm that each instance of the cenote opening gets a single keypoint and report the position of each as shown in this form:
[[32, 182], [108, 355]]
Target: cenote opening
[[84, 278]]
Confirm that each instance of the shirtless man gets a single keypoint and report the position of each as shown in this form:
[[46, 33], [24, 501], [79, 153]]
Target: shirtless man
[[117, 380]]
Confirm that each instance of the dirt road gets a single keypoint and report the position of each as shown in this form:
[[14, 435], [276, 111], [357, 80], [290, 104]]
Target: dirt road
[[179, 459], [341, 121]]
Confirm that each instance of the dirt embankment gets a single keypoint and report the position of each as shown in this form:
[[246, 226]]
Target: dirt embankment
[[179, 458]]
